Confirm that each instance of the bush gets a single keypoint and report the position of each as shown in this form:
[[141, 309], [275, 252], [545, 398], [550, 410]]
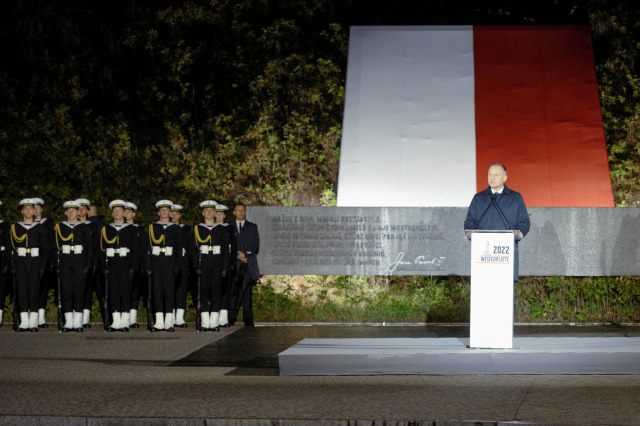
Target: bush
[[314, 298]]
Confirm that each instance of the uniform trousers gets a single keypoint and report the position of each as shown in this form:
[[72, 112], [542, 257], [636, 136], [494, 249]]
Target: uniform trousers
[[118, 287], [182, 284], [225, 296], [5, 280], [28, 284], [47, 282], [164, 284], [210, 286], [72, 283], [136, 286], [94, 282]]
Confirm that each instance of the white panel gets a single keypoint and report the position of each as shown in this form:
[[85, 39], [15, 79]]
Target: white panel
[[492, 257], [409, 123]]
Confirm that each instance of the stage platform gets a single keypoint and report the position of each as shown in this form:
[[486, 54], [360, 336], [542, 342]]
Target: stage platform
[[447, 356]]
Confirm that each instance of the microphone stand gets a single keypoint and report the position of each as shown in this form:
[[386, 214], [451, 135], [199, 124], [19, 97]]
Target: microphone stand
[[493, 200], [501, 212]]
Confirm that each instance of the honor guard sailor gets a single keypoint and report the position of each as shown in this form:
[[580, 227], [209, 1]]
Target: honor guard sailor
[[182, 280], [92, 278], [210, 258], [74, 258], [119, 256], [5, 256], [130, 210], [30, 253], [228, 281], [166, 257], [47, 282]]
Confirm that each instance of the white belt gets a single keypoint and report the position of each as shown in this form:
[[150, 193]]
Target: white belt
[[122, 252], [69, 249], [210, 249], [33, 252], [159, 251]]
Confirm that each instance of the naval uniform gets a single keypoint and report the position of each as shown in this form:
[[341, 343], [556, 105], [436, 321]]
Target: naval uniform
[[30, 250], [48, 280], [138, 275], [228, 280], [211, 257], [182, 280], [119, 256], [5, 257], [166, 258], [75, 257], [92, 279]]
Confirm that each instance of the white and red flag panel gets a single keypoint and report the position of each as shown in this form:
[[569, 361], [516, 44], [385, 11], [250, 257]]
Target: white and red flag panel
[[427, 109]]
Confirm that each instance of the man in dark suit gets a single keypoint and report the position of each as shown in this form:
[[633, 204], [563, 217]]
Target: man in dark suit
[[247, 271]]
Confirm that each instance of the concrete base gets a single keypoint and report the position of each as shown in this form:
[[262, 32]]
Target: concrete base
[[530, 355]]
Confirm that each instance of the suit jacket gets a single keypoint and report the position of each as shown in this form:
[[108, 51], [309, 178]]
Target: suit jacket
[[483, 213], [248, 242]]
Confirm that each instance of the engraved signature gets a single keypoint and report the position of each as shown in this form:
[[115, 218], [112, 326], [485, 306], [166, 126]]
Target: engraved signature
[[420, 260]]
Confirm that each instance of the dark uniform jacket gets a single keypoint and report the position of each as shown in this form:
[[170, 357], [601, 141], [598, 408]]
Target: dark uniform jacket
[[164, 239], [119, 245], [210, 244], [5, 247], [69, 238], [24, 238]]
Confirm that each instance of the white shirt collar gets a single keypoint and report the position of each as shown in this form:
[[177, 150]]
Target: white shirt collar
[[119, 227], [204, 225]]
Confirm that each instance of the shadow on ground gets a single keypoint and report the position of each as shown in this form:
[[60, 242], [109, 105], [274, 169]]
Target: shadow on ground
[[254, 350]]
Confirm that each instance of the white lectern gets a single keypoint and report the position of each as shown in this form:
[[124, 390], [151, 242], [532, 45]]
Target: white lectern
[[492, 257]]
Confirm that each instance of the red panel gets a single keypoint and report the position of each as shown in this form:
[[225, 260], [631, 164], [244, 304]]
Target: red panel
[[538, 113]]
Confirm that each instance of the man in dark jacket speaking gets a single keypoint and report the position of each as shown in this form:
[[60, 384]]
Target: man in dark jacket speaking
[[498, 207]]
